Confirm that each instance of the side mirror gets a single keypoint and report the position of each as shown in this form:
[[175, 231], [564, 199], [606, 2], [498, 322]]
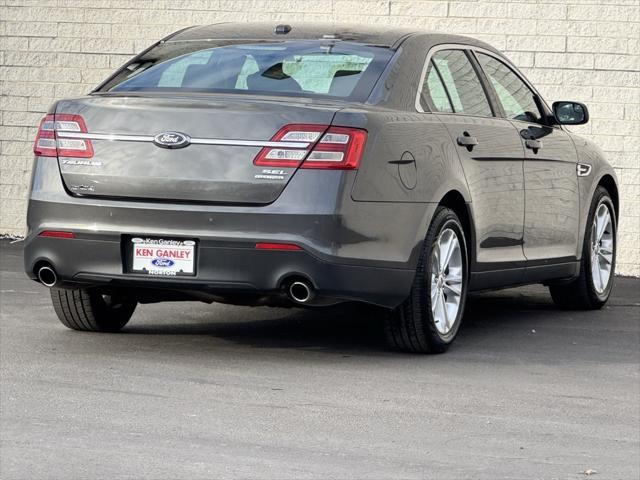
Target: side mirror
[[570, 113]]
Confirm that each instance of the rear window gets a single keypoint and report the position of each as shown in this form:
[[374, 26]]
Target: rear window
[[300, 68]]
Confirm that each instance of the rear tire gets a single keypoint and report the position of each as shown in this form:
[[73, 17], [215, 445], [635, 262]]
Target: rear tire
[[429, 319], [590, 291], [90, 310]]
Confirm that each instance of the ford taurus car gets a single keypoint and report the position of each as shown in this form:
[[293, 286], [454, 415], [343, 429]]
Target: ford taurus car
[[312, 165]]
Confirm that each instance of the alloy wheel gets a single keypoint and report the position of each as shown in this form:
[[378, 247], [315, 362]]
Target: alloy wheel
[[447, 278], [602, 248]]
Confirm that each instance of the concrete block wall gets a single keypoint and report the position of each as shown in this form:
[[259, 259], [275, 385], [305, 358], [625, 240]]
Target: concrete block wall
[[585, 50]]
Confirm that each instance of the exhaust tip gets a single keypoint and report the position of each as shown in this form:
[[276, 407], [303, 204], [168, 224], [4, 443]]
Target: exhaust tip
[[300, 291], [47, 276]]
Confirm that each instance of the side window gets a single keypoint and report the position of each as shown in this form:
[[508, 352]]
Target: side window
[[465, 92], [517, 100], [433, 91]]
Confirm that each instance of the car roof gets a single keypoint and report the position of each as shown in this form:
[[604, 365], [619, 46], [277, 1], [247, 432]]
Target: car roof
[[380, 35], [367, 34]]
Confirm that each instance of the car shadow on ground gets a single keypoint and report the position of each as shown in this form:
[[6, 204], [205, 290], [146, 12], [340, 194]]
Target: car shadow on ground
[[504, 326], [354, 328], [335, 328]]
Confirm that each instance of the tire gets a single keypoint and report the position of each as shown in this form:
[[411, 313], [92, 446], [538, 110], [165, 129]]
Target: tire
[[414, 326], [90, 310], [584, 293]]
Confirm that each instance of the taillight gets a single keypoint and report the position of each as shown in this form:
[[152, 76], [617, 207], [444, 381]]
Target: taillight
[[45, 144], [68, 146], [339, 148], [58, 136], [322, 147]]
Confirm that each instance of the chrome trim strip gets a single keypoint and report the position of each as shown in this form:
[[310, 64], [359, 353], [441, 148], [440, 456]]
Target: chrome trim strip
[[248, 143], [197, 141], [425, 66], [105, 136]]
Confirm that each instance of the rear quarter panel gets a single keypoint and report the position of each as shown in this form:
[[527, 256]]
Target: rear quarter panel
[[409, 158], [408, 165]]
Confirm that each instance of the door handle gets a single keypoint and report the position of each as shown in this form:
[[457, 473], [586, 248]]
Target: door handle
[[466, 140], [534, 145]]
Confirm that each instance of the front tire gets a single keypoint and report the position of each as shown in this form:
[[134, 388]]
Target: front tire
[[591, 290], [429, 319], [91, 310]]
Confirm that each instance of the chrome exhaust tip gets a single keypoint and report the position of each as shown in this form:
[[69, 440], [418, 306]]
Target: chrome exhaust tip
[[47, 276], [300, 292]]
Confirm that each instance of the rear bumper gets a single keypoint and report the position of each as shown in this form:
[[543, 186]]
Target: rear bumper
[[362, 251], [221, 270]]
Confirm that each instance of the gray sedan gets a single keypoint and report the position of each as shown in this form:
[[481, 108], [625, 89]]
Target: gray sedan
[[311, 165]]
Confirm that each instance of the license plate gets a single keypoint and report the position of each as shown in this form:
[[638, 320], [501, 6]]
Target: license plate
[[163, 257]]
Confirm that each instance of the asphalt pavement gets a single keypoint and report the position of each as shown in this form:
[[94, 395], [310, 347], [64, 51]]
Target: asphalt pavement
[[190, 391]]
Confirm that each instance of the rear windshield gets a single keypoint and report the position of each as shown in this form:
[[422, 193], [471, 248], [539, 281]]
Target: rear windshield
[[292, 68]]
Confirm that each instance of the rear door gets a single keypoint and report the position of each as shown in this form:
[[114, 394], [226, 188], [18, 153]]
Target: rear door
[[551, 220], [491, 154]]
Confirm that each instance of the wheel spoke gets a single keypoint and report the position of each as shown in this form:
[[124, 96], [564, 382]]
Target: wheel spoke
[[435, 259], [454, 276], [448, 251], [601, 285], [455, 289], [444, 312], [603, 221], [606, 250], [606, 257], [595, 268], [438, 314], [434, 292]]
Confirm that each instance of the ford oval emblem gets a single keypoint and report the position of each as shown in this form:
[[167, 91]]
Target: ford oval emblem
[[163, 262], [172, 140]]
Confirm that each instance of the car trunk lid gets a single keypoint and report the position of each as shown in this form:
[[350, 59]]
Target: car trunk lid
[[182, 148]]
